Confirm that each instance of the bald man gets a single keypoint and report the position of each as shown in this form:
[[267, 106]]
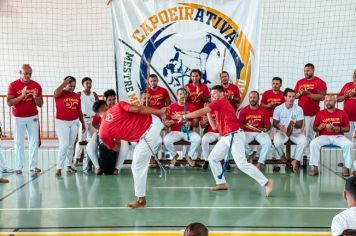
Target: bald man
[[24, 96], [331, 124]]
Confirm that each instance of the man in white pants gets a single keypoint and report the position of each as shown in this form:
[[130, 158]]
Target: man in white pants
[[254, 120], [176, 134], [309, 92], [288, 119], [24, 96], [210, 136], [331, 124], [348, 96], [347, 218], [232, 140], [87, 98], [132, 123]]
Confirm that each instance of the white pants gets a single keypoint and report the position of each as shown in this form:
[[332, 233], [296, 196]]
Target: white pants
[[263, 139], [299, 139], [92, 148], [2, 160], [338, 140], [21, 125], [221, 149], [208, 138], [67, 132], [308, 132], [352, 131], [142, 153], [175, 136], [84, 136]]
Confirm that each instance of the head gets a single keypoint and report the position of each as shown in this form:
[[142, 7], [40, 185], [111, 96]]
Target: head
[[208, 38], [254, 98], [217, 92], [99, 107], [195, 76], [196, 229], [224, 78], [153, 81], [71, 85], [276, 83], [354, 76], [110, 97], [289, 95], [86, 83], [309, 71], [25, 73], [180, 95], [350, 191], [330, 101]]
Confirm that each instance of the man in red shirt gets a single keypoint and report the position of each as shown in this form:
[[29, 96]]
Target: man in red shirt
[[255, 121], [24, 96], [176, 134], [232, 92], [198, 93], [232, 139], [331, 124], [348, 96], [158, 97], [310, 91], [132, 123]]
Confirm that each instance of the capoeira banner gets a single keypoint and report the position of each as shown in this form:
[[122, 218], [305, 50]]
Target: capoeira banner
[[170, 38]]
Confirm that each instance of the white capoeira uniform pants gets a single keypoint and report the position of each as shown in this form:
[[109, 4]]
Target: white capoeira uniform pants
[[175, 136], [221, 149], [67, 132], [2, 160], [263, 139], [84, 136], [351, 133], [21, 125], [208, 138], [92, 148], [339, 140], [150, 141], [299, 139], [308, 132]]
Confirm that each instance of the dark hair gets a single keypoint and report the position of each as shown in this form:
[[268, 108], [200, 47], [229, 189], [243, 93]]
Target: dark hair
[[97, 104], [86, 79], [109, 93], [258, 94], [309, 65], [195, 71], [153, 76], [350, 186], [218, 87], [278, 79], [288, 90], [196, 229], [180, 89], [72, 79], [225, 72]]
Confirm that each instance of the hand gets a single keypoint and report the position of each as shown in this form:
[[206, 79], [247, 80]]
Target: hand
[[164, 110], [329, 127], [337, 129], [66, 81], [177, 117], [303, 91], [270, 105], [24, 93], [282, 128], [35, 93], [322, 126], [189, 124], [169, 123], [353, 93]]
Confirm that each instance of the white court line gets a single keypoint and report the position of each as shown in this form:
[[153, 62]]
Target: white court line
[[171, 207], [181, 187]]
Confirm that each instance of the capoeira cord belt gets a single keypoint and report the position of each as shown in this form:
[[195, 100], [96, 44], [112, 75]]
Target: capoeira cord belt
[[227, 158], [162, 169]]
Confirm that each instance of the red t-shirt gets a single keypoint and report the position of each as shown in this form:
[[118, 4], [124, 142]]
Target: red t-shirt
[[175, 107], [232, 88], [96, 120], [118, 123], [27, 107], [269, 96], [193, 94], [310, 106], [337, 118], [226, 119], [258, 118], [158, 97], [350, 102], [68, 106]]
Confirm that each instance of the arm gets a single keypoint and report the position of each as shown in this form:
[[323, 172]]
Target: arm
[[12, 100], [81, 119], [212, 122], [320, 96], [117, 146], [59, 90], [38, 99], [197, 113], [147, 110], [96, 96]]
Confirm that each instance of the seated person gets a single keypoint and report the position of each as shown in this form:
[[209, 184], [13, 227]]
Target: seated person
[[331, 124], [255, 122], [176, 134], [288, 119], [346, 220]]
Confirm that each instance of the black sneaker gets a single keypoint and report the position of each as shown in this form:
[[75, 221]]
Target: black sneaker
[[206, 165]]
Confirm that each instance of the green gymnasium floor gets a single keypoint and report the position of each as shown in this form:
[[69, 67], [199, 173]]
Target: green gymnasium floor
[[96, 204]]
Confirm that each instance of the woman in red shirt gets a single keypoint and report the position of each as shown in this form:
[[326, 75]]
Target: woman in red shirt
[[68, 116], [198, 93]]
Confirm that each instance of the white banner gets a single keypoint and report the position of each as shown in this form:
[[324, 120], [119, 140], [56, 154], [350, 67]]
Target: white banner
[[170, 38]]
